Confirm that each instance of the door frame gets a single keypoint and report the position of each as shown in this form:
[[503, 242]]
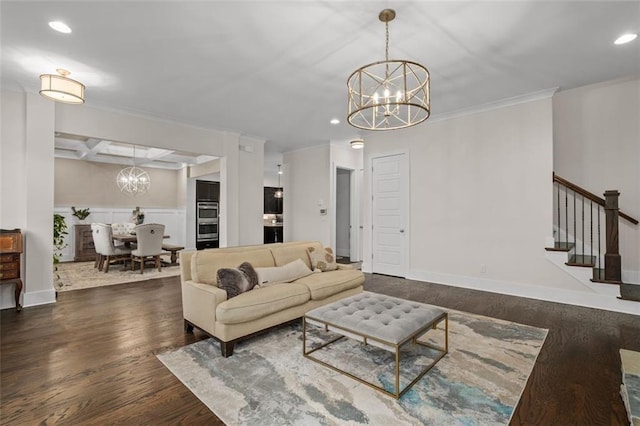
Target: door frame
[[407, 212], [355, 201]]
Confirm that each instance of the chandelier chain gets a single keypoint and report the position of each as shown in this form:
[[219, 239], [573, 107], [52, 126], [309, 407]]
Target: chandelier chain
[[386, 48]]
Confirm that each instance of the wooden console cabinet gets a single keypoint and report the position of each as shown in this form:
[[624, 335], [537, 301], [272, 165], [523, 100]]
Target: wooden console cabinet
[[85, 250], [10, 253]]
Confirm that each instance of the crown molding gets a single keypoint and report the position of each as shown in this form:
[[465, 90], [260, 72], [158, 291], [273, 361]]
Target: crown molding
[[516, 100]]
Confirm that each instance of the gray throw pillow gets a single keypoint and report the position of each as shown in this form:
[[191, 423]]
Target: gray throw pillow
[[238, 280]]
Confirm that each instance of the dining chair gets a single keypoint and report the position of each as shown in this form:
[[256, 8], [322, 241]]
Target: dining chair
[[94, 235], [107, 249], [149, 237], [125, 228]]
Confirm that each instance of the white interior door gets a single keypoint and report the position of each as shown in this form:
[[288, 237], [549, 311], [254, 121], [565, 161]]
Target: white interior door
[[389, 215]]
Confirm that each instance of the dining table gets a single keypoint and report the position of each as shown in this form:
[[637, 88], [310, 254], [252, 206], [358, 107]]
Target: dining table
[[127, 239]]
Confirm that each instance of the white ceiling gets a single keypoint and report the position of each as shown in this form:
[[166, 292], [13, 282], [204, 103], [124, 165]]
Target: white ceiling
[[277, 70]]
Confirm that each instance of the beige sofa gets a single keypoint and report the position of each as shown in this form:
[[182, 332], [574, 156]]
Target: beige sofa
[[206, 307]]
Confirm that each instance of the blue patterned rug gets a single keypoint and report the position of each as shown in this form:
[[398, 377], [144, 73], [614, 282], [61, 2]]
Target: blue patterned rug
[[268, 381]]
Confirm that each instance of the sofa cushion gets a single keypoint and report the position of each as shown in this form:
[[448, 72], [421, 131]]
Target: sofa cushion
[[205, 263], [322, 259], [327, 284], [283, 274], [237, 280], [287, 253], [261, 302]]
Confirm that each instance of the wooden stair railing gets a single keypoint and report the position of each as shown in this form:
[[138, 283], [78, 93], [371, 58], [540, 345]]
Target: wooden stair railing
[[612, 271]]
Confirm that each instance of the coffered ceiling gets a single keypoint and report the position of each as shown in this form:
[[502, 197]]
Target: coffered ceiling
[[102, 151], [277, 70]]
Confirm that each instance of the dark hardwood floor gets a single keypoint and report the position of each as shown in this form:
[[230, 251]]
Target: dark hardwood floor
[[90, 358]]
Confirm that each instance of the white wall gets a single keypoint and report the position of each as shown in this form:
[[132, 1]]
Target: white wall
[[306, 182], [27, 190], [597, 146], [480, 197], [251, 164], [90, 184]]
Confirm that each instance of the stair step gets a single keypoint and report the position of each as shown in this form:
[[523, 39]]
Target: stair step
[[560, 246], [598, 277], [630, 292], [582, 260]]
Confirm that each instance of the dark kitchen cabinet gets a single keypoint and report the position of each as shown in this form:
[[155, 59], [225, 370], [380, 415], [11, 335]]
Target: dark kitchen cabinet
[[201, 245], [273, 234], [207, 191], [272, 205]]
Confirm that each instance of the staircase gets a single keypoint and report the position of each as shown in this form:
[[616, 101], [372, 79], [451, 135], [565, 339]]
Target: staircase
[[586, 238]]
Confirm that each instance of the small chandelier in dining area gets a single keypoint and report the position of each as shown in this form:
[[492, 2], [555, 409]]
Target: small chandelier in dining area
[[61, 88], [389, 94], [133, 180]]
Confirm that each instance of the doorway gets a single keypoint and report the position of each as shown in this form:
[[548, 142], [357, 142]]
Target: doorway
[[343, 214], [389, 215], [346, 229]]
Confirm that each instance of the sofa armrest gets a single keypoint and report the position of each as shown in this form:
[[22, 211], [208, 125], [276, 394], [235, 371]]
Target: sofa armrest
[[345, 266], [199, 303]]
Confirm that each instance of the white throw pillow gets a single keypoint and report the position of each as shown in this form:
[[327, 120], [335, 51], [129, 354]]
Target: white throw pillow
[[282, 274]]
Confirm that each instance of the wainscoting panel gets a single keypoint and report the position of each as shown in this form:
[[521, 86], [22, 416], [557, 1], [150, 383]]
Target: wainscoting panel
[[174, 221]]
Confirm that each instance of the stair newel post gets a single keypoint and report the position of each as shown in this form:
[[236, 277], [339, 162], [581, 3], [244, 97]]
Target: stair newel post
[[612, 260]]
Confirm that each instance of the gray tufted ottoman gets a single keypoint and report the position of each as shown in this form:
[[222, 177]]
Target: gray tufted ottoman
[[382, 321]]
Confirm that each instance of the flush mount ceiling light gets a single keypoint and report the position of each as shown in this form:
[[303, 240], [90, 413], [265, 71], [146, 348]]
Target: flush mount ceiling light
[[389, 94], [61, 88], [279, 193], [133, 180], [334, 121], [625, 38], [357, 144]]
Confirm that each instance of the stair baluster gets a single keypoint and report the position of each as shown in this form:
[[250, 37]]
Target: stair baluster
[[611, 271]]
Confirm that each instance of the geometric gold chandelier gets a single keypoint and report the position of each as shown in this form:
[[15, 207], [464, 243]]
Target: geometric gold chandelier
[[389, 94], [61, 88], [133, 180]]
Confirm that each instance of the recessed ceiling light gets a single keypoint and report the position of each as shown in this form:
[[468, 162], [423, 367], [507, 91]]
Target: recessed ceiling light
[[334, 121], [625, 38], [60, 27]]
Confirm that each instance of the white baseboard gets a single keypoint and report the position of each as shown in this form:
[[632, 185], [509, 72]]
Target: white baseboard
[[578, 298], [36, 298]]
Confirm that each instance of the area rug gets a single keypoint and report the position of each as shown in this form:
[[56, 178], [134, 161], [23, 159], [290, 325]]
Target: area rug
[[268, 381], [630, 388], [79, 275]]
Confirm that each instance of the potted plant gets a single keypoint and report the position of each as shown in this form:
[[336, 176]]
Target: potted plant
[[81, 214], [59, 244]]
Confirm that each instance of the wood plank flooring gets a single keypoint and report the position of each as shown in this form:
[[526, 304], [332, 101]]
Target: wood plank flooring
[[90, 358]]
